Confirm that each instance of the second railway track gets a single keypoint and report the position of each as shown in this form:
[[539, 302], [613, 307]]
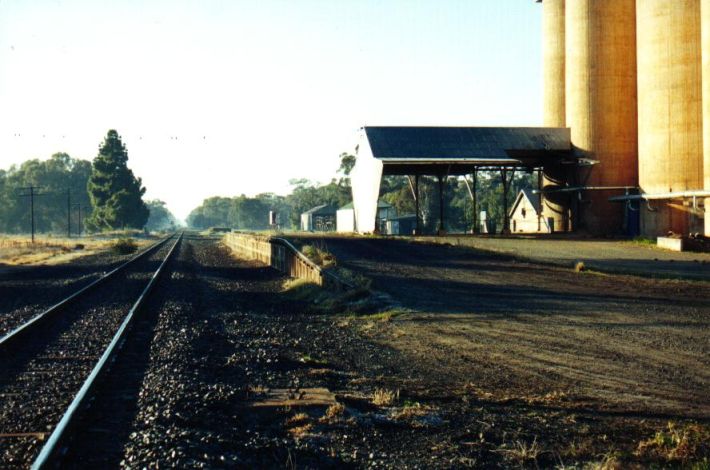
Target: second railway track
[[45, 365]]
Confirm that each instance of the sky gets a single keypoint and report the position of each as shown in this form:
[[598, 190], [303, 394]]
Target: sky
[[222, 98]]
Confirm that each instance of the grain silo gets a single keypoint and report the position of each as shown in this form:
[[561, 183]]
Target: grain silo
[[600, 82], [670, 124], [555, 204], [705, 35]]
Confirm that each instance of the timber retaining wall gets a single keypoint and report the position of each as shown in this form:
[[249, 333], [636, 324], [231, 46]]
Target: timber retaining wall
[[280, 254]]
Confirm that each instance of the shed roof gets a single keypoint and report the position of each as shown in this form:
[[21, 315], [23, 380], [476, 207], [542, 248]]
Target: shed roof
[[461, 148], [380, 205], [324, 209]]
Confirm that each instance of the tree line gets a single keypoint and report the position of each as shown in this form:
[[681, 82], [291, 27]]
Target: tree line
[[71, 195], [251, 213]]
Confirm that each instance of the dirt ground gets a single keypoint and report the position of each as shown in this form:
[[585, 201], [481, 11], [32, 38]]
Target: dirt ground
[[607, 255], [511, 329], [480, 361]]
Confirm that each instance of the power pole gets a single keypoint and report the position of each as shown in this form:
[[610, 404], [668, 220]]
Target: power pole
[[79, 228], [68, 213], [32, 194]]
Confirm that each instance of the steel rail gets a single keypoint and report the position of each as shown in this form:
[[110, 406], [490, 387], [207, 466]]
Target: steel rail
[[35, 321], [52, 448]]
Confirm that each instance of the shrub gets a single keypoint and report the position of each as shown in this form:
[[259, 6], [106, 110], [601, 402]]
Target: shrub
[[319, 255], [125, 246]]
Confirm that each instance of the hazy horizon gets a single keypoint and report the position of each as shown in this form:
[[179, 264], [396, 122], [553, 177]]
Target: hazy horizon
[[229, 98]]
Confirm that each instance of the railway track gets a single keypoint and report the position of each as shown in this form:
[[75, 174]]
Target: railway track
[[50, 365]]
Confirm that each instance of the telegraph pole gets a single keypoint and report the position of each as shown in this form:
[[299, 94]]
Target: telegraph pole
[[31, 195], [78, 206], [68, 213]]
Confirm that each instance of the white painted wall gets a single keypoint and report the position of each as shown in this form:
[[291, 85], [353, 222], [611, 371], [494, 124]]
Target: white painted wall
[[365, 179], [306, 223], [346, 220], [524, 219]]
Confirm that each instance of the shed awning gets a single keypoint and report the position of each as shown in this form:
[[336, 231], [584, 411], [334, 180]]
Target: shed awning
[[458, 150]]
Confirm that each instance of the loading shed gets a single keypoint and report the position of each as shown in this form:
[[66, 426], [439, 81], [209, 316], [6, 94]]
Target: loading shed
[[445, 152], [319, 219]]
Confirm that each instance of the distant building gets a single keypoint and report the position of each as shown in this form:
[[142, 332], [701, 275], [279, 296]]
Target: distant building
[[401, 225], [346, 217], [526, 215], [319, 219]]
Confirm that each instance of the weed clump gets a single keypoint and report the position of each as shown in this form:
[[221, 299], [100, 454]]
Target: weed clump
[[384, 397], [678, 444], [319, 255], [124, 246], [333, 413]]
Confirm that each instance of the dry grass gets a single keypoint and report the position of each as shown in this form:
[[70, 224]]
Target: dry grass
[[298, 419], [124, 246], [319, 255], [384, 397], [299, 425], [333, 413], [19, 250], [300, 431], [677, 443], [579, 267], [410, 411], [523, 452]]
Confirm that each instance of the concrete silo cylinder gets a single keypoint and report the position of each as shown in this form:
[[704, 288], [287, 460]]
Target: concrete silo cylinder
[[555, 205], [670, 129], [705, 34], [600, 82]]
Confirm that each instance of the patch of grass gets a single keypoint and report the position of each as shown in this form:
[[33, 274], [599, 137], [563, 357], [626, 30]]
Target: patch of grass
[[319, 255], [302, 289], [324, 301], [299, 425], [47, 249], [308, 359], [384, 397], [523, 452], [333, 413], [124, 246], [384, 316], [643, 241], [298, 419], [687, 444], [353, 278], [611, 461]]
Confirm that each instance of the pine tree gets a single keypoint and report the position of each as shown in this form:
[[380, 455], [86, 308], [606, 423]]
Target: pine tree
[[116, 194]]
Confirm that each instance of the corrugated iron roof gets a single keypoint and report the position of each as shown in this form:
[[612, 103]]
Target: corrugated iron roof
[[465, 143], [324, 209]]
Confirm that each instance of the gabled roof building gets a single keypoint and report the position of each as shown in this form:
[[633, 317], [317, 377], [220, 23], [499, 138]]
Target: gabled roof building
[[449, 151]]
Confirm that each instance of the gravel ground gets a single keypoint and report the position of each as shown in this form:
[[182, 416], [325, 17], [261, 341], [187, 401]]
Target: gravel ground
[[39, 378], [614, 256], [219, 335], [27, 291]]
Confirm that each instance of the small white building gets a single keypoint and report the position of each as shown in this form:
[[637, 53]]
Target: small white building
[[319, 219], [526, 215], [346, 217]]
